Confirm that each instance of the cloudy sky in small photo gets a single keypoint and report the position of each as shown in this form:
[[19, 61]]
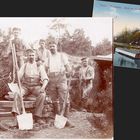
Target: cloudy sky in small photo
[[124, 15]]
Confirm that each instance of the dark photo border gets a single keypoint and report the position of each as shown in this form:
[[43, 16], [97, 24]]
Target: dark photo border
[[46, 8], [126, 81]]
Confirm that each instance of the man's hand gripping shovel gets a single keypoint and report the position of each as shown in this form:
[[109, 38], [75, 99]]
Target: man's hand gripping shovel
[[25, 120]]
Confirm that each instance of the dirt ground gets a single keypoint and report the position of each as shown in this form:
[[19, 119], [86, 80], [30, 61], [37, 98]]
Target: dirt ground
[[82, 129]]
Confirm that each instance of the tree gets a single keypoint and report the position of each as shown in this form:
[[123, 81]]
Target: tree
[[103, 48], [131, 37], [75, 44], [135, 39], [59, 26]]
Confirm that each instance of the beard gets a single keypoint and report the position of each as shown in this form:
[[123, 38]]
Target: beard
[[85, 65], [31, 60], [52, 51]]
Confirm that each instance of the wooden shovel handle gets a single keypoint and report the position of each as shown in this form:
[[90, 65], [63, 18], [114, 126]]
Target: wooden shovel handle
[[19, 83], [65, 99]]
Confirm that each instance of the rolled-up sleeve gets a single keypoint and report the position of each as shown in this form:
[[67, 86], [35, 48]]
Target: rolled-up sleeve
[[65, 59], [43, 74], [91, 73]]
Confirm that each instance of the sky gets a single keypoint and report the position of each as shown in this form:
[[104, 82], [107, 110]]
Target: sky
[[35, 28], [124, 15]]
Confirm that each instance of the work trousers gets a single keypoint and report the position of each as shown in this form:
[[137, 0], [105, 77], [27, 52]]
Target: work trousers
[[86, 88], [58, 89], [33, 91]]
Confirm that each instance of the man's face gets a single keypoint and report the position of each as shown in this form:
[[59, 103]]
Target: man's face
[[31, 57], [42, 43], [53, 48], [16, 33], [85, 62]]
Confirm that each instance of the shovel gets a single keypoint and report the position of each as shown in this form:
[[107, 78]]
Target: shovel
[[60, 120], [25, 120]]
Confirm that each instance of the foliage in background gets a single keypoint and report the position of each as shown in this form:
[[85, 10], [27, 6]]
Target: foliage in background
[[77, 43], [131, 37]]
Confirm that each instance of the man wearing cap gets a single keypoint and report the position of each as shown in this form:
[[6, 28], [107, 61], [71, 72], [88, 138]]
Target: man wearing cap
[[57, 87], [33, 81], [20, 46], [86, 73], [42, 53]]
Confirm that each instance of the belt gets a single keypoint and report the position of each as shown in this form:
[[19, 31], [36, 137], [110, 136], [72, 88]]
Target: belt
[[56, 73], [31, 84], [31, 81]]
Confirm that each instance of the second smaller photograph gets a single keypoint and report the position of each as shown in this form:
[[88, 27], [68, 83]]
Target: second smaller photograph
[[126, 31]]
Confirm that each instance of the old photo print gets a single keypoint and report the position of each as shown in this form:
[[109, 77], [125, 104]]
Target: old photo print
[[56, 78]]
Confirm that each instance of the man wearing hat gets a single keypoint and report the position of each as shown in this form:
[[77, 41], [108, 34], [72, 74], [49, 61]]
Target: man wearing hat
[[86, 80], [20, 46], [33, 81], [57, 87]]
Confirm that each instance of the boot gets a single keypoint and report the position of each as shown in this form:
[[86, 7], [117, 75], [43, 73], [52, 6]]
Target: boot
[[66, 114], [39, 120]]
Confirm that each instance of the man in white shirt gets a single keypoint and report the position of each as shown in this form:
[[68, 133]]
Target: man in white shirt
[[57, 87], [86, 80], [33, 81]]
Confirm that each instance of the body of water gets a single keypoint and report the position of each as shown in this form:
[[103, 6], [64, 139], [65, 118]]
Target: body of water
[[121, 60]]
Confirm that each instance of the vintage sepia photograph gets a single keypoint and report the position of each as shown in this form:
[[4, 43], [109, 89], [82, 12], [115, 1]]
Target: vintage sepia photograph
[[56, 78], [126, 31]]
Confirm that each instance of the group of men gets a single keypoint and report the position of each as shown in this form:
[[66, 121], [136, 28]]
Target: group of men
[[45, 72]]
